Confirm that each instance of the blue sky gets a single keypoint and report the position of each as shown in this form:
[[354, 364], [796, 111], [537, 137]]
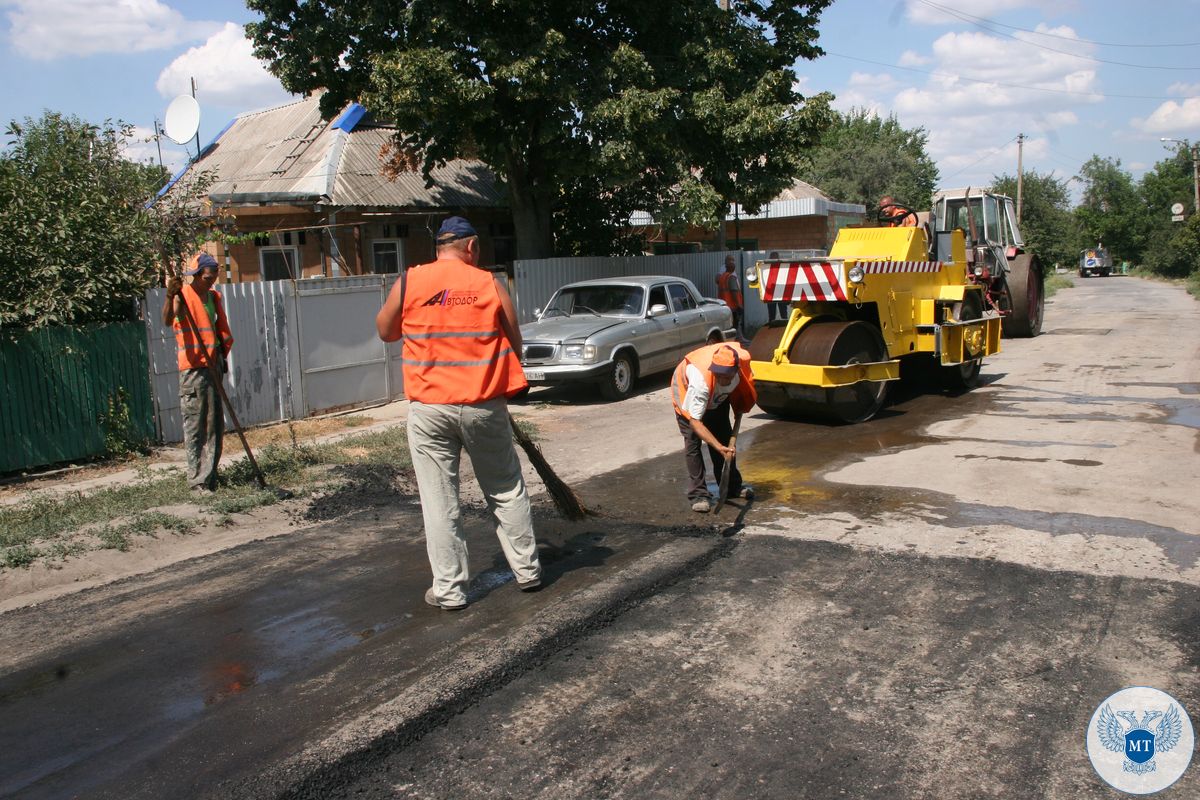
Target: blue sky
[[1076, 78]]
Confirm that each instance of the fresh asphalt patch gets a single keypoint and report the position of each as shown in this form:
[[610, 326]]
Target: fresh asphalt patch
[[808, 669]]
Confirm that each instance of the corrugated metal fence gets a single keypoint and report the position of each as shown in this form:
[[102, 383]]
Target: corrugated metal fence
[[63, 389], [300, 348]]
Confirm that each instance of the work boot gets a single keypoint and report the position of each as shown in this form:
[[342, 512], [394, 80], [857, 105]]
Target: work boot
[[530, 586], [432, 600], [702, 506], [746, 493]]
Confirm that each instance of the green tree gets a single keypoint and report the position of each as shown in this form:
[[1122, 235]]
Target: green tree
[[861, 157], [1171, 247], [1047, 224], [74, 233], [1112, 212], [626, 102]]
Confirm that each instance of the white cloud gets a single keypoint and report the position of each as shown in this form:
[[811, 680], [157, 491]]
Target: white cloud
[[910, 58], [48, 29], [142, 148], [1171, 117], [923, 13], [226, 74], [1184, 89]]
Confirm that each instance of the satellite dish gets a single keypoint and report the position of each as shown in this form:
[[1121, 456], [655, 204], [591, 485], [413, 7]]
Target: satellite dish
[[183, 119]]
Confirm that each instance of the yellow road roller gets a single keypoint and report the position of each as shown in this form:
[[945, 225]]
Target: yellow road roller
[[883, 296]]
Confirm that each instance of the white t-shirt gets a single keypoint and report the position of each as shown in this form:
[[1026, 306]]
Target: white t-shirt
[[697, 400]]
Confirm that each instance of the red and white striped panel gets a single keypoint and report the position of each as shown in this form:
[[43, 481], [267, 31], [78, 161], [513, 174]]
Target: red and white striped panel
[[889, 267], [801, 280]]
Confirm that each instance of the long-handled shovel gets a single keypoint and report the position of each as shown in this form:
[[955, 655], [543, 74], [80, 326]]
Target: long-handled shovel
[[564, 499], [214, 371], [724, 493]]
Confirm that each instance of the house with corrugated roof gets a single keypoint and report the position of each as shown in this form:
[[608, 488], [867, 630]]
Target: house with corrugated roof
[[313, 194], [801, 217]]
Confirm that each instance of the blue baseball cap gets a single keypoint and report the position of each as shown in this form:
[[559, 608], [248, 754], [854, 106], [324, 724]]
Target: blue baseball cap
[[202, 261], [453, 229]]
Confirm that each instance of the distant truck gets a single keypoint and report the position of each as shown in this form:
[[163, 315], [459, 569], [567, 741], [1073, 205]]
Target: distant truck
[[1095, 261]]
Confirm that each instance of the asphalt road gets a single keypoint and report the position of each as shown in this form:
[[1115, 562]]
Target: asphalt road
[[930, 604]]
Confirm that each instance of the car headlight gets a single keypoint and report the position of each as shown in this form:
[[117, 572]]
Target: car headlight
[[856, 274], [579, 352]]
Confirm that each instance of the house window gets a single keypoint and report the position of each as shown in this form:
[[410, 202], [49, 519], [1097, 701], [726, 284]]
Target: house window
[[387, 255], [278, 263]]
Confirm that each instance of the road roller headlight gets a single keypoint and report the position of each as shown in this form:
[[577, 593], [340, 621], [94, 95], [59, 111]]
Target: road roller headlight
[[978, 270], [751, 275], [856, 274]]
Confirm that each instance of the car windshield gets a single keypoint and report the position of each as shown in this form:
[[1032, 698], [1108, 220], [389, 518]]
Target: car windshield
[[574, 301]]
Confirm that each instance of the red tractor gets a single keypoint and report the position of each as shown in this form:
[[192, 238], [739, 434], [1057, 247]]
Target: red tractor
[[1012, 278]]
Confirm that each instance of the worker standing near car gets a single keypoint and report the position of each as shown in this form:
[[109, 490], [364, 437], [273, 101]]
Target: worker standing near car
[[202, 344], [709, 382], [729, 289], [460, 363]]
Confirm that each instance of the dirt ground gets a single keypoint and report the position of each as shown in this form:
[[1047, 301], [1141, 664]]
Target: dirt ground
[[560, 418]]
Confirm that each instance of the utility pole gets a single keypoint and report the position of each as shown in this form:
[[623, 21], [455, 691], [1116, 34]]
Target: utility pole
[[1020, 172]]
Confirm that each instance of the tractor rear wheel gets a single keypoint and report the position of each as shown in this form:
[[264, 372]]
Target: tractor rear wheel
[[826, 343], [1026, 289]]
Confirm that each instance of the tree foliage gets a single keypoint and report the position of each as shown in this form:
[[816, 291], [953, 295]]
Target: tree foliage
[[1047, 224], [75, 238], [1112, 212], [574, 105], [861, 157]]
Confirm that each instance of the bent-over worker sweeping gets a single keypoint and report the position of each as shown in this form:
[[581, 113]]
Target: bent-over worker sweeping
[[708, 383]]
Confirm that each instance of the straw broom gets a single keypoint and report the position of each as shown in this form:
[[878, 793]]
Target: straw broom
[[564, 499]]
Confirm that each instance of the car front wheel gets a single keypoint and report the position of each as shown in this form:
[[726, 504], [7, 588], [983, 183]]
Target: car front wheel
[[619, 383]]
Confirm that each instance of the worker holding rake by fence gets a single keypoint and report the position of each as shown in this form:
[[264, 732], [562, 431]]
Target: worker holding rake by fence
[[202, 341]]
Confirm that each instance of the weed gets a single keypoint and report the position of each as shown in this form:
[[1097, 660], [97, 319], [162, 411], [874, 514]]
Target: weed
[[121, 440], [21, 555], [1056, 282]]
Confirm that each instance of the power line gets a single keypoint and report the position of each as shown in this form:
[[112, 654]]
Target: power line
[[986, 155], [1014, 85], [979, 20], [964, 18]]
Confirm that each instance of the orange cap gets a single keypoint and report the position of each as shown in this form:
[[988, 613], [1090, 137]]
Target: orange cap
[[724, 361]]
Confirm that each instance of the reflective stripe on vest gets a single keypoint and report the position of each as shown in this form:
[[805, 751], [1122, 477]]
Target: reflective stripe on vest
[[190, 352], [744, 395], [454, 348]]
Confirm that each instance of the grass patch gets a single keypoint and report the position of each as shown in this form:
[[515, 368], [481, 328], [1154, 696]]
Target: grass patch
[[1056, 282], [1193, 285], [56, 527]]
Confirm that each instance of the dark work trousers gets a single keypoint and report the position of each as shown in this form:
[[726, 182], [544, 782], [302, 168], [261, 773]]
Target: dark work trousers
[[717, 420]]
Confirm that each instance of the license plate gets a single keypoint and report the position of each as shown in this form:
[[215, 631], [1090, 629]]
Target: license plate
[[534, 375]]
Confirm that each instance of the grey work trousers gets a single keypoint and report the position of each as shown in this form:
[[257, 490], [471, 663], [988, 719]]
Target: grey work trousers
[[437, 435], [203, 426]]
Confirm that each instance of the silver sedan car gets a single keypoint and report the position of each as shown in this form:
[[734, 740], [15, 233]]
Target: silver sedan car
[[612, 330]]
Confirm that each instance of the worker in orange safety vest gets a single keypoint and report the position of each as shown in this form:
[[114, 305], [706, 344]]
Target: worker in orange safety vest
[[461, 363], [202, 344], [729, 290], [706, 385]]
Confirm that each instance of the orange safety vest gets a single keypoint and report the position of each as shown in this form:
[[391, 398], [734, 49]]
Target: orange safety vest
[[454, 349], [193, 353], [733, 300], [744, 394]]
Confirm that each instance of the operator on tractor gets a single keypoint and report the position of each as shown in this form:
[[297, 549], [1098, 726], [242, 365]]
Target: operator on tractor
[[895, 216]]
